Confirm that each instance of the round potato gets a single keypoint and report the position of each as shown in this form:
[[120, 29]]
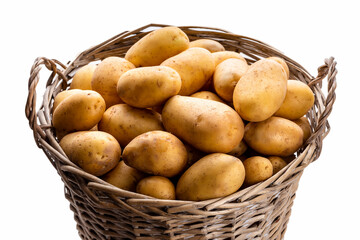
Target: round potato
[[106, 77], [215, 175], [226, 76], [207, 95], [274, 136], [157, 187], [303, 122], [82, 110], [146, 87], [239, 150], [82, 78], [277, 162], [260, 91], [257, 169], [207, 125], [223, 55], [195, 66], [209, 44], [156, 153], [283, 64], [94, 151], [298, 100], [62, 95], [157, 46], [124, 177], [125, 122]]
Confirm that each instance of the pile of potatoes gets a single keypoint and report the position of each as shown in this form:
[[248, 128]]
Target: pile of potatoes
[[180, 119]]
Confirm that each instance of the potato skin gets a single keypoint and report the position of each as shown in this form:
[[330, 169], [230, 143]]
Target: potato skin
[[82, 78], [62, 95], [146, 87], [208, 44], [298, 100], [207, 125], [215, 175], [195, 66], [156, 153], [261, 91], [274, 136], [106, 77], [239, 150], [157, 46], [79, 111], [125, 122], [257, 169], [226, 76], [223, 55], [157, 187], [283, 64], [303, 122], [94, 151], [207, 95], [277, 162]]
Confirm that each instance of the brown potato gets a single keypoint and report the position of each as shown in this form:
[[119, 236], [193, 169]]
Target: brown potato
[[257, 169], [82, 78], [277, 162], [157, 187], [207, 95], [239, 150], [303, 122], [223, 55], [208, 44]]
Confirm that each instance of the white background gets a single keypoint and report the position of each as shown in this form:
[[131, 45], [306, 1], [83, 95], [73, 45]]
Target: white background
[[32, 204]]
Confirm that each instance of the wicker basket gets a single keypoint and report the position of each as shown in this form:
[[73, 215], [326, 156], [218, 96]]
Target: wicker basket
[[102, 211]]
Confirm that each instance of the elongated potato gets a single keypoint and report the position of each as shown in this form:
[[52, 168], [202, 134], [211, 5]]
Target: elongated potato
[[125, 122], [195, 66], [223, 55], [146, 87], [215, 175], [274, 136], [298, 100], [261, 91], [207, 125], [207, 95], [209, 44], [157, 46], [106, 77], [156, 153], [303, 122], [94, 151], [82, 78], [157, 187]]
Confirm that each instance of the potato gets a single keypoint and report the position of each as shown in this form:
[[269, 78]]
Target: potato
[[193, 155], [62, 95], [82, 78], [94, 151], [215, 175], [239, 150], [156, 153], [303, 122], [257, 169], [298, 100], [157, 187], [223, 55], [157, 46], [124, 177], [261, 91], [283, 64], [207, 125], [207, 95], [79, 111], [195, 66], [125, 122], [277, 162], [208, 44], [106, 77], [148, 86], [226, 76], [274, 136]]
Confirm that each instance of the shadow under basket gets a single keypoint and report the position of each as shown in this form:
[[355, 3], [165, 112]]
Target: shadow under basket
[[103, 211]]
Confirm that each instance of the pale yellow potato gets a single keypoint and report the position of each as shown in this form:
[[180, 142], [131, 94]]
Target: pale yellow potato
[[195, 66], [79, 111], [303, 122], [223, 55], [62, 95], [106, 77], [146, 87], [283, 64], [156, 153], [213, 176], [124, 177], [274, 136], [209, 44], [278, 163], [157, 187], [207, 95], [239, 150], [82, 78], [94, 151], [260, 91], [298, 100], [226, 76], [157, 46], [257, 169], [125, 122], [207, 125]]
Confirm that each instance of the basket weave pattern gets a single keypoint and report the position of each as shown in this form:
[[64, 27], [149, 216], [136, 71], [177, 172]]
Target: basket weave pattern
[[104, 212]]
